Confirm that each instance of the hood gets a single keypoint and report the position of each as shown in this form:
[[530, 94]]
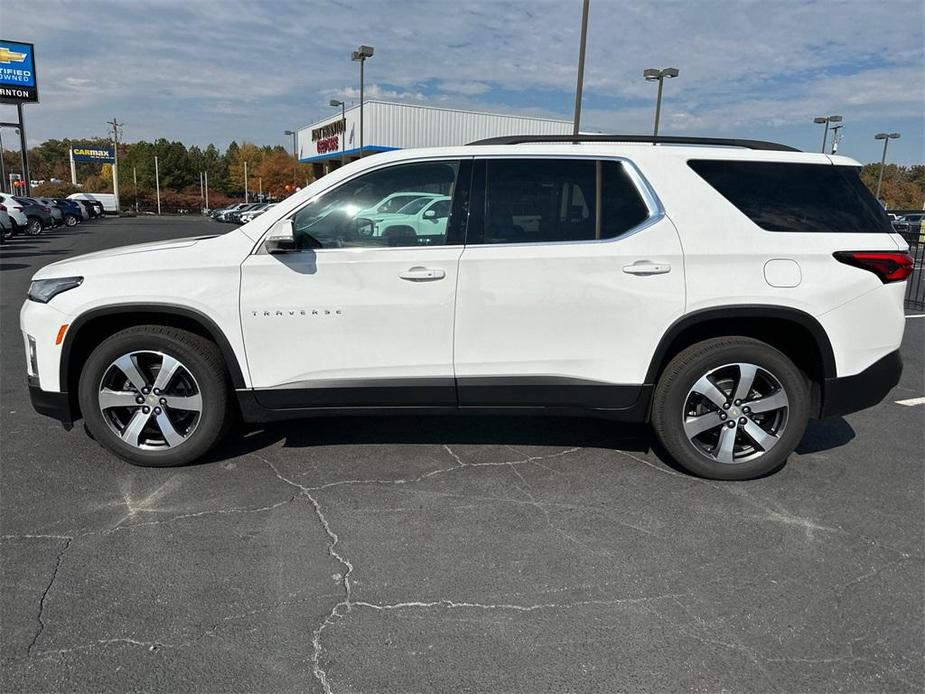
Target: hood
[[71, 265]]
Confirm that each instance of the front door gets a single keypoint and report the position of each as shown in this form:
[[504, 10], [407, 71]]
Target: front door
[[362, 314], [570, 276]]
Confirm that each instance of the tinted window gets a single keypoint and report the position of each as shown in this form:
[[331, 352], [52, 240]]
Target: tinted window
[[352, 214], [781, 196], [541, 201]]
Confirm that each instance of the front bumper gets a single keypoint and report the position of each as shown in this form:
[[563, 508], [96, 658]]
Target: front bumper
[[862, 390], [54, 405]]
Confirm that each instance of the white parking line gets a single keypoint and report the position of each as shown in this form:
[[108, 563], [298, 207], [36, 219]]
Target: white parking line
[[911, 402]]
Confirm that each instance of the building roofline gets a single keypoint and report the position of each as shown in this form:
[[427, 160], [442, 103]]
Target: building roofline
[[335, 115]]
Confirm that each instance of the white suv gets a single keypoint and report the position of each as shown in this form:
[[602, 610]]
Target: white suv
[[724, 290]]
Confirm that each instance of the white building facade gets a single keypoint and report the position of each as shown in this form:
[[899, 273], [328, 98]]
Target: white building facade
[[332, 141]]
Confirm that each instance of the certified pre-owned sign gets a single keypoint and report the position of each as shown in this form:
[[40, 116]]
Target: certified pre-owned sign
[[17, 72]]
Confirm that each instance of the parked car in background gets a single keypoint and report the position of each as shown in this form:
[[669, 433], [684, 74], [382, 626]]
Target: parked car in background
[[57, 212], [107, 200], [38, 216], [73, 212], [221, 214], [6, 224], [910, 226], [250, 215], [16, 212], [424, 217], [235, 216]]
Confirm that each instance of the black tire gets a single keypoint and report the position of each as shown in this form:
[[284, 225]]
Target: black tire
[[70, 220], [199, 357], [8, 233], [34, 227], [671, 403]]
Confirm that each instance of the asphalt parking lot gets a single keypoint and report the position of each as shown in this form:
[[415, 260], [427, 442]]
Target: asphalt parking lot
[[456, 554]]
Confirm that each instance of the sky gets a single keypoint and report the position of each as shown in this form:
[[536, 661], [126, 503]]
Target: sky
[[203, 71]]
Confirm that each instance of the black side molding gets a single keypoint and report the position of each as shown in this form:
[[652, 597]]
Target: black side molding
[[860, 391]]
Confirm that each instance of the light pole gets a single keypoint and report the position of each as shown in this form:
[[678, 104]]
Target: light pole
[[653, 74], [295, 158], [360, 55], [835, 137], [583, 42], [116, 126], [343, 136], [886, 137], [825, 133]]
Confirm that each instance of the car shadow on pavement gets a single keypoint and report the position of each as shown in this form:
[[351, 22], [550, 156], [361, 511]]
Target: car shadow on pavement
[[825, 434], [449, 430], [484, 430]]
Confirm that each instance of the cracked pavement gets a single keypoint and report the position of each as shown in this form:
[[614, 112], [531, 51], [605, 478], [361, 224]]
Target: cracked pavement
[[457, 554]]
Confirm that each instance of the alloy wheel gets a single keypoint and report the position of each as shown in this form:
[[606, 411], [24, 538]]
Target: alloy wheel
[[735, 413], [35, 227], [150, 400]]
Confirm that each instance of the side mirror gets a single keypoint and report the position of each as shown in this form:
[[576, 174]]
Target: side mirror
[[281, 238], [430, 214]]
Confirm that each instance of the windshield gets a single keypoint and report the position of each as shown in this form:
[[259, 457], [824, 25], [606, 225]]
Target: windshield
[[394, 204], [414, 206]]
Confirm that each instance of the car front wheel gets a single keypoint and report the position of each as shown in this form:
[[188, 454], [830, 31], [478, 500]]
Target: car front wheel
[[70, 220], [155, 396], [730, 408]]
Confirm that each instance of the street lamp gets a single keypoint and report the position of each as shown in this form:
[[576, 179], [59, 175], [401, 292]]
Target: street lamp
[[655, 75], [295, 158], [360, 55], [886, 137], [825, 133], [343, 136]]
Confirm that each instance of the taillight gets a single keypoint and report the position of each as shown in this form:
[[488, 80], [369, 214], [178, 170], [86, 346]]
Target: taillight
[[2, 208], [889, 266]]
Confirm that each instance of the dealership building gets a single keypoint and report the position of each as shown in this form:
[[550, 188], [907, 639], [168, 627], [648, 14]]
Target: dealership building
[[328, 143]]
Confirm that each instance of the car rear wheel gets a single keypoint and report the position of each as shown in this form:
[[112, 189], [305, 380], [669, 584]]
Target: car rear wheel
[[730, 408], [34, 227], [70, 220], [155, 396]]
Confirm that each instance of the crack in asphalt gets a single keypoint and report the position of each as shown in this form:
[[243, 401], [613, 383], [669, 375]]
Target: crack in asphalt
[[40, 617]]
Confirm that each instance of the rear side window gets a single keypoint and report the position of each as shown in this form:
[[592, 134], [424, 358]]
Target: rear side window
[[780, 196], [548, 200]]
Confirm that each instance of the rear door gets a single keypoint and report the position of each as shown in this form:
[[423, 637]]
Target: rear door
[[570, 276]]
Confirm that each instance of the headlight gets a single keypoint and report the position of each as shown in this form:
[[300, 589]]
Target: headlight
[[44, 291]]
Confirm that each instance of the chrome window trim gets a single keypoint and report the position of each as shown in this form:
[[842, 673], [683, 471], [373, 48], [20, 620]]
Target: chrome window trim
[[642, 185], [640, 182]]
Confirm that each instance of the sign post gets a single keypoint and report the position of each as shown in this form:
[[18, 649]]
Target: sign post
[[73, 167], [18, 85]]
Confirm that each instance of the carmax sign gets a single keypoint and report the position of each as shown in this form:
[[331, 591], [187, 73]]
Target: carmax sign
[[17, 72], [94, 154]]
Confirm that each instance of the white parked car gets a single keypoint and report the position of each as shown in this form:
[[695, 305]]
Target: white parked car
[[252, 214], [424, 217], [726, 292], [107, 200], [16, 212]]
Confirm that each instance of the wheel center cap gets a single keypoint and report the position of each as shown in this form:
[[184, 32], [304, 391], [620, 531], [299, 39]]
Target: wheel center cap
[[734, 412], [151, 400]]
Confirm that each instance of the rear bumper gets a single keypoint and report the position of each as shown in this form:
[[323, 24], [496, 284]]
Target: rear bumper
[[862, 390], [54, 405]]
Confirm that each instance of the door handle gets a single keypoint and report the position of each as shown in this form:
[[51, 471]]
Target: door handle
[[422, 274], [647, 267]]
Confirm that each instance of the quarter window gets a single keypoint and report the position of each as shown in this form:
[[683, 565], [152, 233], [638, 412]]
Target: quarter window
[[785, 196], [384, 208], [548, 200]]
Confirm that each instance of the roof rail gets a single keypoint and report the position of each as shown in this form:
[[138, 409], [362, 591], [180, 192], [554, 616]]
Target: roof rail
[[654, 139]]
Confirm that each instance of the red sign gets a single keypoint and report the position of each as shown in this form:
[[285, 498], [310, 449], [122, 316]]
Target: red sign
[[328, 144]]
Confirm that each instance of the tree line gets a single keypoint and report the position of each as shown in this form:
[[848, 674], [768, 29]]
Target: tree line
[[269, 168], [276, 171]]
